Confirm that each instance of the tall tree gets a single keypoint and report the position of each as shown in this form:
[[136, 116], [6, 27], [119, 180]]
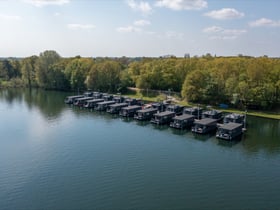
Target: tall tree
[[43, 65]]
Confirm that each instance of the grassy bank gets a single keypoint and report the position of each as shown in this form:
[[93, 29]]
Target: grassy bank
[[156, 98]]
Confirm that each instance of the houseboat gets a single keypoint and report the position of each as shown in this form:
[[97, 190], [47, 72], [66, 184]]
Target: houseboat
[[178, 109], [129, 111], [88, 94], [163, 117], [71, 99], [133, 101], [182, 121], [229, 131], [204, 126], [103, 106], [160, 106], [92, 103], [97, 95], [81, 101], [195, 111], [235, 118], [119, 99], [107, 97], [145, 114], [116, 108], [213, 114]]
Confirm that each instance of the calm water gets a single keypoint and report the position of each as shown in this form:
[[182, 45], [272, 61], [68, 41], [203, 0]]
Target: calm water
[[53, 156]]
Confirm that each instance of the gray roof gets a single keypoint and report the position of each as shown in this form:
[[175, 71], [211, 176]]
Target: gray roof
[[231, 126], [205, 121], [164, 113], [184, 117]]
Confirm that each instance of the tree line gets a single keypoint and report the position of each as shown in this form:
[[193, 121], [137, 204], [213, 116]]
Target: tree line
[[241, 81]]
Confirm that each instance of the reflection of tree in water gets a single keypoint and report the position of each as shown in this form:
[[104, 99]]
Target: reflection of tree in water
[[262, 134], [49, 103], [11, 95]]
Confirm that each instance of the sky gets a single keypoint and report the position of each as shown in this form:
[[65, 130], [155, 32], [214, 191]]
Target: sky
[[136, 28]]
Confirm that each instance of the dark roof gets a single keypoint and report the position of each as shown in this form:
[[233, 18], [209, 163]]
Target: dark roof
[[164, 113], [132, 107], [107, 102], [205, 121], [96, 100], [184, 117], [147, 110], [118, 104], [231, 126]]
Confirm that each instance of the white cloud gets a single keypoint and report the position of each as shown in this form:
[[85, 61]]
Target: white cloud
[[42, 3], [142, 6], [76, 26], [128, 29], [142, 22], [182, 4], [224, 14], [264, 22], [10, 17], [217, 32]]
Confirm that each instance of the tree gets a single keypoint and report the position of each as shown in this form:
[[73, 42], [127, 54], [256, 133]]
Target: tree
[[76, 72], [43, 76], [28, 71]]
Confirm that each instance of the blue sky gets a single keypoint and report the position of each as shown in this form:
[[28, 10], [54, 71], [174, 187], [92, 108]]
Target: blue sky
[[140, 27]]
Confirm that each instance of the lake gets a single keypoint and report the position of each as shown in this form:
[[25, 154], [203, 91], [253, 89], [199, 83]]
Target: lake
[[55, 156]]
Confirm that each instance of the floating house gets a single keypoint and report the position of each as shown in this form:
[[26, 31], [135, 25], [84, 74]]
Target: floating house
[[133, 101], [204, 126], [116, 108], [119, 99], [97, 95], [213, 114], [92, 103], [163, 117], [129, 111], [195, 111], [145, 114], [81, 101], [178, 109], [88, 94], [103, 106], [229, 131], [235, 118], [160, 106], [182, 121], [107, 97], [71, 99]]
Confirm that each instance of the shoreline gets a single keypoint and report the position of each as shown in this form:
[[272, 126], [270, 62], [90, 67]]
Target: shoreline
[[262, 114]]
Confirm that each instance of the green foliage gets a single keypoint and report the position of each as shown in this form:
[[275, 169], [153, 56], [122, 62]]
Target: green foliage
[[242, 81], [76, 72], [44, 76], [105, 76]]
